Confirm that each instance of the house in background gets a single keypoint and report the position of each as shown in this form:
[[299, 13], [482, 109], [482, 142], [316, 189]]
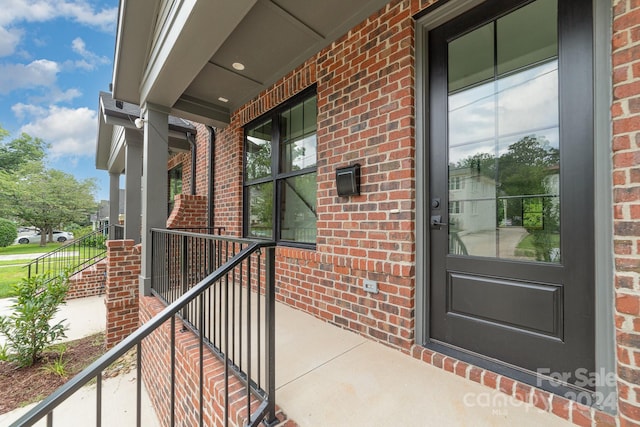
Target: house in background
[[104, 209], [273, 96]]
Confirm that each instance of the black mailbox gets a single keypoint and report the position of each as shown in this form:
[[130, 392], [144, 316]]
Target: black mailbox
[[348, 180]]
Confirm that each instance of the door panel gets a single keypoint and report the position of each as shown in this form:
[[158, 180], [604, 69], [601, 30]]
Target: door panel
[[511, 172], [488, 299]]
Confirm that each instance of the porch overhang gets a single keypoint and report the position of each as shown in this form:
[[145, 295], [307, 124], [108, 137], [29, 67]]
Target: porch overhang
[[116, 123], [181, 54]]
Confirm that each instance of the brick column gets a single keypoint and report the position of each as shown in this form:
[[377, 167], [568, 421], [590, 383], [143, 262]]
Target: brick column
[[188, 212], [121, 291]]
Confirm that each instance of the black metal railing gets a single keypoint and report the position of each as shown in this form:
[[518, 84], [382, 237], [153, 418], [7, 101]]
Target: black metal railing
[[234, 316], [75, 255], [231, 310]]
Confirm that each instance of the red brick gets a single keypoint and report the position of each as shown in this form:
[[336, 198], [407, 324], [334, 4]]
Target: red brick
[[560, 406], [581, 415]]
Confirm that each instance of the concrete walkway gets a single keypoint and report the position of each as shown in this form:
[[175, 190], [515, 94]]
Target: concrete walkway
[[83, 316], [326, 376], [87, 316], [19, 256]]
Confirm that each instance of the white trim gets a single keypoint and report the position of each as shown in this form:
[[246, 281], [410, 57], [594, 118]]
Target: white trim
[[603, 183]]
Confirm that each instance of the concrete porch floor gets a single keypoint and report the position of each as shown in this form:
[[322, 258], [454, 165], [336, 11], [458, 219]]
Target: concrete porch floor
[[327, 376]]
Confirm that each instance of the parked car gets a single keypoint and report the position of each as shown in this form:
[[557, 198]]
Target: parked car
[[58, 236]]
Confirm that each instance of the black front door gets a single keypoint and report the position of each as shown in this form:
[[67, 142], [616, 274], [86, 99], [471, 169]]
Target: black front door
[[511, 185]]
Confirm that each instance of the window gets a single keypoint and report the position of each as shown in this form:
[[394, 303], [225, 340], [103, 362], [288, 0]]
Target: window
[[455, 207], [456, 183], [280, 173], [175, 185]]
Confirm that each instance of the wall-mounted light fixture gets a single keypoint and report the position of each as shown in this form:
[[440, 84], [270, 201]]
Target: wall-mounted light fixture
[[139, 122], [348, 180]]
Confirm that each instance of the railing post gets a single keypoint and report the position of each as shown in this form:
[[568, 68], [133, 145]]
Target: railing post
[[270, 338], [153, 260], [185, 271]]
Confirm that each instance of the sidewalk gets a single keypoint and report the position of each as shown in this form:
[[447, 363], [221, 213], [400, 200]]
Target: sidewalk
[[87, 316], [83, 316], [19, 256]]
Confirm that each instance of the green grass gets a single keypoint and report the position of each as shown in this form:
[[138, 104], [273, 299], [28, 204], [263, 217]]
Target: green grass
[[528, 242], [31, 248], [10, 276], [14, 262], [13, 271]]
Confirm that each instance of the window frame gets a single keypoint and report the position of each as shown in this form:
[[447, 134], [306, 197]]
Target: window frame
[[172, 178], [276, 177]]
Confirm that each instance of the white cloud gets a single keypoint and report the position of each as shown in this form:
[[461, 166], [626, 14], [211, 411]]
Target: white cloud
[[89, 59], [25, 110], [9, 39], [16, 11], [70, 131], [56, 96], [41, 72], [79, 11]]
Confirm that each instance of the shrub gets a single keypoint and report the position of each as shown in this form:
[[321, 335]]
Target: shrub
[[28, 330], [96, 241], [8, 232]]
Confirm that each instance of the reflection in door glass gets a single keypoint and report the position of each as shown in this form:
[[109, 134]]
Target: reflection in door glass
[[503, 135]]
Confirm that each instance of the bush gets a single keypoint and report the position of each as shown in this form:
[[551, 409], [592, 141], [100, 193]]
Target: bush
[[27, 329], [8, 232], [96, 241]]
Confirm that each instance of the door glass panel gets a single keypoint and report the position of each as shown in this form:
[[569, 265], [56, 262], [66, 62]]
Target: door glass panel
[[504, 148], [537, 22], [471, 58]]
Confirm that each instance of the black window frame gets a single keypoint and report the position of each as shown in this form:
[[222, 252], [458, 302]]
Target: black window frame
[[276, 177], [173, 175]]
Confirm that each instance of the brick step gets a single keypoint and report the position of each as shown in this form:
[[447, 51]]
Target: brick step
[[88, 282]]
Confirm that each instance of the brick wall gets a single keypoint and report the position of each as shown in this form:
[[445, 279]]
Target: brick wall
[[156, 372], [121, 292], [365, 85], [89, 282], [626, 198], [188, 212], [365, 115], [202, 163]]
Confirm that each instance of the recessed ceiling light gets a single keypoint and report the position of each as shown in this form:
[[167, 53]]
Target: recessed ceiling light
[[238, 66], [222, 99]]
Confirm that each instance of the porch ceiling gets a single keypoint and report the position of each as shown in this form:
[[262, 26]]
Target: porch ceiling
[[114, 118], [181, 56]]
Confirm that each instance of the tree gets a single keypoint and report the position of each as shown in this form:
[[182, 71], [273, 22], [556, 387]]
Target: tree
[[16, 154], [20, 151], [47, 198], [8, 232]]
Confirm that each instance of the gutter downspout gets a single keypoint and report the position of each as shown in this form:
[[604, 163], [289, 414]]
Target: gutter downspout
[[210, 178], [194, 155]]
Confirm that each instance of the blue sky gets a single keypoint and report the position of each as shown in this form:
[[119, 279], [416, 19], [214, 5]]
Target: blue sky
[[55, 56]]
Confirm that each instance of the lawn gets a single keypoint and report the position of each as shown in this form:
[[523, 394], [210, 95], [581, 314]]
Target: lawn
[[527, 246], [12, 271], [31, 248], [10, 276]]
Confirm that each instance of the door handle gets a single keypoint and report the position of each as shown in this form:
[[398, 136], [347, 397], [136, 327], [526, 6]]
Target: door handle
[[436, 221]]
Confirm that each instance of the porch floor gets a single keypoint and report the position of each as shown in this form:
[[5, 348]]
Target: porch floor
[[327, 376]]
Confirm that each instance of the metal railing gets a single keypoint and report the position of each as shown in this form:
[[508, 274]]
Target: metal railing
[[75, 255], [239, 330], [234, 316]]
